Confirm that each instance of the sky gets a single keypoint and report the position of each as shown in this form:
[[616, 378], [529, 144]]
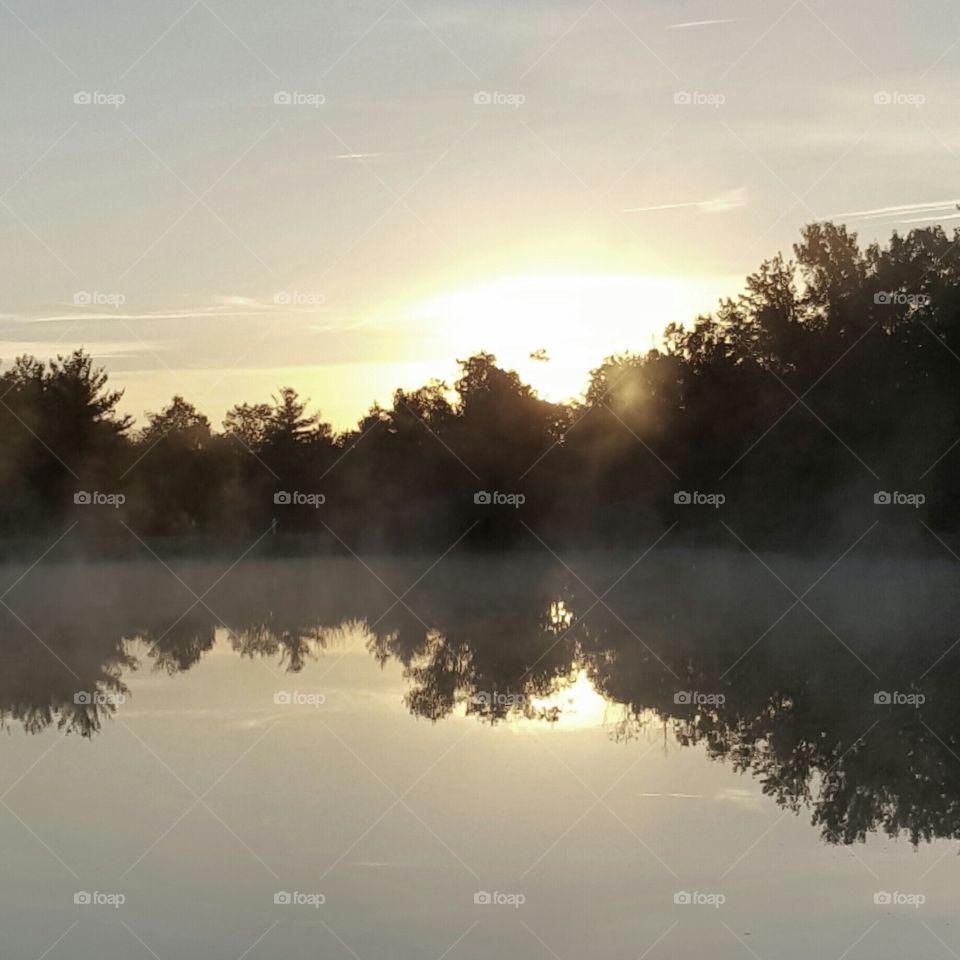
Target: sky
[[221, 197]]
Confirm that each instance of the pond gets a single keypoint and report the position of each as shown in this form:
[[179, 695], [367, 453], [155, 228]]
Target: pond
[[668, 754]]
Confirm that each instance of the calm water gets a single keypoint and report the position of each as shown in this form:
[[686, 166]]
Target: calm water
[[384, 743]]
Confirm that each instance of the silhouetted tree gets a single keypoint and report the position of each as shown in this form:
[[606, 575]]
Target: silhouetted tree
[[830, 377]]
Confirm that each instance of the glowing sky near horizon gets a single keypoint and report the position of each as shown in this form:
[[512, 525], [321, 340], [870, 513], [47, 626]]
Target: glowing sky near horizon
[[551, 175]]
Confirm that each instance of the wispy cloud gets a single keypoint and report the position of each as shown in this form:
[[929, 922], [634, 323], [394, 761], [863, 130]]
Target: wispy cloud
[[731, 200], [936, 219], [742, 798], [697, 23], [671, 796], [99, 350], [900, 211], [221, 307]]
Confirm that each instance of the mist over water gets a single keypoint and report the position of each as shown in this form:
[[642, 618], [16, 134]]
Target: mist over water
[[291, 690]]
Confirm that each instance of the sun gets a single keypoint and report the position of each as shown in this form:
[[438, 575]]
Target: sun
[[554, 328]]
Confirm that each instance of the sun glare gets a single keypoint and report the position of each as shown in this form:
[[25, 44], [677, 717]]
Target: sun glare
[[578, 704], [554, 328]]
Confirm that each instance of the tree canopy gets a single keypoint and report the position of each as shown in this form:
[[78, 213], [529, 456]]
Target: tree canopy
[[829, 381]]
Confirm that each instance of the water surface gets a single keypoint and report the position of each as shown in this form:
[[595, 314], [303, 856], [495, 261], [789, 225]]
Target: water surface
[[588, 743]]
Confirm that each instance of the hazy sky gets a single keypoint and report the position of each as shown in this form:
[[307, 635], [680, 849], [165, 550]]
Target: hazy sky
[[633, 162]]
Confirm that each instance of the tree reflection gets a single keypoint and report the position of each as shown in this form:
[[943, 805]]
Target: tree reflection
[[784, 692]]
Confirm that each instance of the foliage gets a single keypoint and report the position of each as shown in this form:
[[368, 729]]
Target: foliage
[[832, 376]]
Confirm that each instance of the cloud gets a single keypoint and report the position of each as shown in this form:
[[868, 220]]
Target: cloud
[[671, 796], [99, 350], [229, 307], [747, 799], [731, 200], [221, 306], [900, 211], [936, 219], [697, 23], [232, 300]]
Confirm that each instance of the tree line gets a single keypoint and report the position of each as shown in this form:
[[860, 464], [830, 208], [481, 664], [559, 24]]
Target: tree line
[[821, 399]]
